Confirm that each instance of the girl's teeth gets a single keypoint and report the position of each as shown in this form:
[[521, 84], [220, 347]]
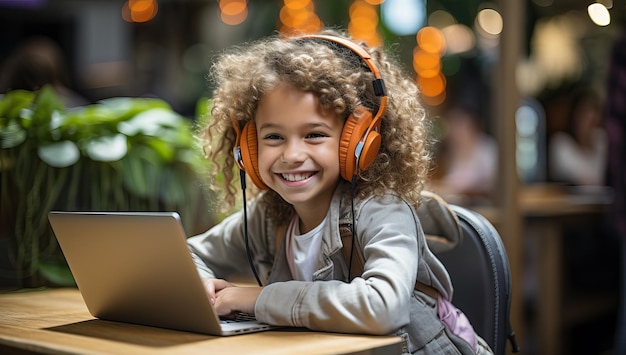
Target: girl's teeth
[[295, 177]]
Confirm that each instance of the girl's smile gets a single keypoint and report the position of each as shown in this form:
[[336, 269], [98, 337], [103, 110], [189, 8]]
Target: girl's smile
[[296, 178]]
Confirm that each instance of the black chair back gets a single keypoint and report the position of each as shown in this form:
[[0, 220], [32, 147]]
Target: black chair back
[[481, 276]]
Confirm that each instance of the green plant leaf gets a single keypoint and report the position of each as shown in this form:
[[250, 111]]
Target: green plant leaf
[[203, 111], [191, 157], [46, 102], [142, 170], [57, 272], [12, 135], [89, 122], [12, 103], [180, 136], [174, 186], [26, 117], [59, 154], [166, 152], [125, 108], [151, 122], [108, 148]]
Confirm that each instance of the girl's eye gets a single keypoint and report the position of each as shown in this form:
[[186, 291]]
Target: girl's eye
[[316, 135], [272, 136]]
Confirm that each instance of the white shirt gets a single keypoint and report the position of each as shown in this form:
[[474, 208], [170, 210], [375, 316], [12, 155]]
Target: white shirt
[[303, 250]]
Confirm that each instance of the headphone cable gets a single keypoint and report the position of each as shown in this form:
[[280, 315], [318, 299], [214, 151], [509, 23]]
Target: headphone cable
[[352, 227], [242, 177]]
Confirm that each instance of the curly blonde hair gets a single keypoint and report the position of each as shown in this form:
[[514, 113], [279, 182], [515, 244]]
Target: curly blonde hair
[[338, 77]]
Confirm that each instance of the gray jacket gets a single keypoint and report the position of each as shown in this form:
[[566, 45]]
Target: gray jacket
[[382, 301]]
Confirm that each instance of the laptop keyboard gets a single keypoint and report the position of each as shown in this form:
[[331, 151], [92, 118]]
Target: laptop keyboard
[[240, 317]]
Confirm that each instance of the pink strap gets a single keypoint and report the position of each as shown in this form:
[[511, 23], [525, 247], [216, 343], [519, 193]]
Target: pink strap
[[457, 322]]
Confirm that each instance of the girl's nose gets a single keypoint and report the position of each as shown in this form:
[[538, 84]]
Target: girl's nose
[[294, 153]]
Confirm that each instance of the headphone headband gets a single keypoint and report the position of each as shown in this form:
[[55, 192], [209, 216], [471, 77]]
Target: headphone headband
[[378, 83]]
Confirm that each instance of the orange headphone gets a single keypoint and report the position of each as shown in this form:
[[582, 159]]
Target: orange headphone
[[360, 138]]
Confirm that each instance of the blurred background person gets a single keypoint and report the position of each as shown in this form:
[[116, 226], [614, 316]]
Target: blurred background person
[[37, 62], [467, 158], [577, 156]]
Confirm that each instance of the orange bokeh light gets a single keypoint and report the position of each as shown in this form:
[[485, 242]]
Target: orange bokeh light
[[233, 7], [234, 19], [431, 40], [426, 64], [434, 100], [140, 5], [372, 38], [433, 86], [361, 9], [298, 16], [297, 4], [363, 23], [139, 10]]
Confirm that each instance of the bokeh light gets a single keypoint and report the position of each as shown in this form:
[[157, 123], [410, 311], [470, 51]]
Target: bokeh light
[[298, 16], [363, 23], [441, 19], [139, 10], [233, 12], [431, 44], [426, 64], [431, 40], [489, 22], [459, 39], [404, 17], [599, 14]]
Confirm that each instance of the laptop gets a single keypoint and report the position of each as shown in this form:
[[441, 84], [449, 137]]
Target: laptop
[[135, 267]]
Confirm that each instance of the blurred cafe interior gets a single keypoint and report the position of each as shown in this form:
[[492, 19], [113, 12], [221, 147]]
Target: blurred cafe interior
[[518, 91]]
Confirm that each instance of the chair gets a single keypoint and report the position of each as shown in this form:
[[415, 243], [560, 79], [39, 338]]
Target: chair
[[480, 273]]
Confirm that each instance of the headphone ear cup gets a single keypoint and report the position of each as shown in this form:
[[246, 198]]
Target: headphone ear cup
[[346, 168], [370, 150], [249, 154], [354, 128]]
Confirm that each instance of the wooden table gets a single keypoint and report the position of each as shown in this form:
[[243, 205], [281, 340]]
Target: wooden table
[[57, 321]]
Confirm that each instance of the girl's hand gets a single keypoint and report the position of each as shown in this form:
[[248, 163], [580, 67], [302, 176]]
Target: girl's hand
[[229, 299], [213, 286]]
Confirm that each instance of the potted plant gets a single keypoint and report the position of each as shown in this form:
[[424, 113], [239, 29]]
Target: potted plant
[[119, 154]]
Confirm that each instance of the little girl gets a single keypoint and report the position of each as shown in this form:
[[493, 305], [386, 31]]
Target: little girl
[[334, 138]]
